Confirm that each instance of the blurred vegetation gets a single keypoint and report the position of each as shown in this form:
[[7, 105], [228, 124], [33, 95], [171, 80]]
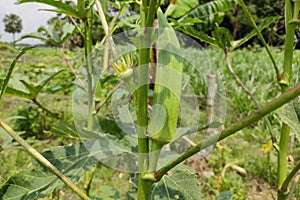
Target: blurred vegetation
[[250, 65]]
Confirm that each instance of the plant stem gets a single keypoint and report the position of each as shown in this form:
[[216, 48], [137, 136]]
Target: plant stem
[[43, 161], [285, 83], [11, 68], [70, 65], [148, 10], [255, 116], [89, 67], [284, 189], [67, 60], [238, 80], [294, 184], [253, 24], [261, 38], [154, 156], [102, 18], [102, 103], [107, 34], [141, 99]]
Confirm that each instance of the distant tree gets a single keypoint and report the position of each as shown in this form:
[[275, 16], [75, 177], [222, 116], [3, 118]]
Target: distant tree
[[13, 24]]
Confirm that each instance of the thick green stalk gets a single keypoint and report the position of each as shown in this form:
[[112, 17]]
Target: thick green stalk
[[285, 83], [284, 189], [141, 100], [148, 10], [88, 44], [255, 116], [288, 46], [154, 156], [89, 67], [43, 161], [282, 155]]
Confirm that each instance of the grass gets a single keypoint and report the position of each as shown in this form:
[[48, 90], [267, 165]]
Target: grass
[[251, 65]]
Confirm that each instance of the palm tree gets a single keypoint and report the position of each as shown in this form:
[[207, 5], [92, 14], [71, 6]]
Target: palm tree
[[13, 24]]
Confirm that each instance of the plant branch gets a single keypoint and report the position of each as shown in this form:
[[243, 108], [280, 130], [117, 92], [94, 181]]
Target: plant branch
[[70, 65], [102, 103], [44, 108], [141, 96], [284, 189], [296, 179], [102, 17], [43, 160], [285, 84], [89, 67], [238, 80], [253, 24], [67, 60], [255, 116], [151, 13], [107, 34], [76, 25], [141, 101]]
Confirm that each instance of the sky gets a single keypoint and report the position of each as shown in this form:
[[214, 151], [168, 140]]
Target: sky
[[31, 17]]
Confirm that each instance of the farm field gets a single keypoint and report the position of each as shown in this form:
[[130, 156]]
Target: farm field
[[238, 164], [150, 100]]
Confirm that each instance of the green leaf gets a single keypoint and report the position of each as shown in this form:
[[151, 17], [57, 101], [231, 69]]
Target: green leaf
[[80, 6], [33, 91], [168, 36], [288, 115], [58, 88], [89, 5], [129, 21], [11, 68], [266, 22], [65, 129], [223, 37], [98, 91], [15, 92], [50, 35], [210, 13], [67, 30], [72, 161], [180, 8], [53, 34], [226, 195], [109, 126], [63, 7], [204, 10], [180, 183], [41, 85], [200, 35], [39, 182], [185, 22], [34, 36]]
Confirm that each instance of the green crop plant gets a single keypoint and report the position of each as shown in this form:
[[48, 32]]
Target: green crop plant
[[156, 129]]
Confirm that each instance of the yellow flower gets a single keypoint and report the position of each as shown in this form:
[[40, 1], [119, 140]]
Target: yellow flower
[[267, 147]]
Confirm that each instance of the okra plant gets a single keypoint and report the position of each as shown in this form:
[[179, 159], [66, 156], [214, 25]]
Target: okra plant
[[155, 52]]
